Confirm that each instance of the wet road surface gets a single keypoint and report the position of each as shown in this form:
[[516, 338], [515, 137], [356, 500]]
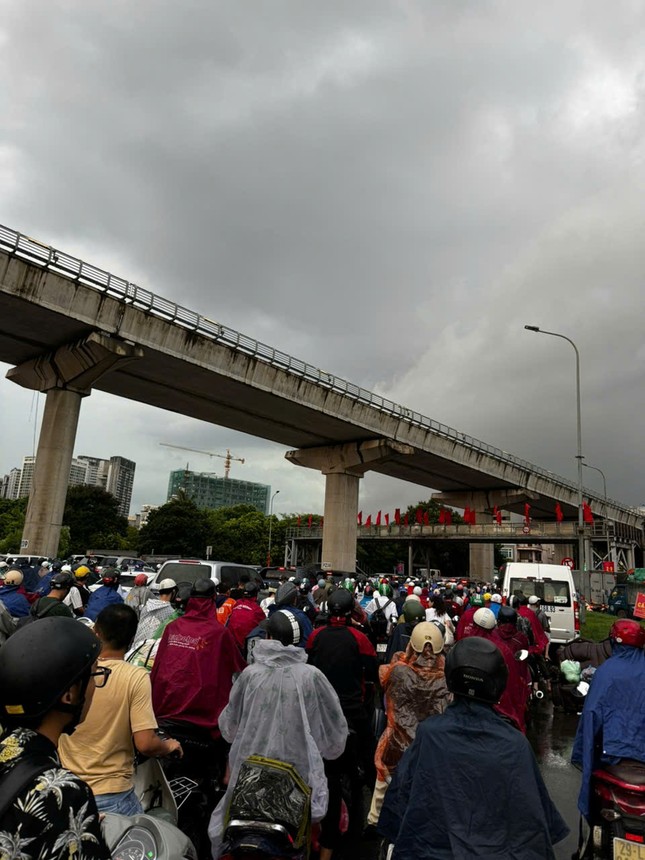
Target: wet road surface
[[551, 735]]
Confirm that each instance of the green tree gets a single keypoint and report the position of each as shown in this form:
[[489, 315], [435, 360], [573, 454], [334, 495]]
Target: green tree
[[93, 517], [178, 527], [12, 521]]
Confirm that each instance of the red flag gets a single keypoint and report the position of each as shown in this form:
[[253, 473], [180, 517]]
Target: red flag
[[473, 518], [467, 518], [359, 517], [387, 519], [378, 519], [397, 516], [322, 522], [498, 515], [426, 519], [298, 520], [442, 517], [368, 521], [587, 513], [309, 521], [448, 519], [406, 519], [527, 514], [558, 512], [419, 516]]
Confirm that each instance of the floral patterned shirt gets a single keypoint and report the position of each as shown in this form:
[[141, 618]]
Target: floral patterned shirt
[[54, 818]]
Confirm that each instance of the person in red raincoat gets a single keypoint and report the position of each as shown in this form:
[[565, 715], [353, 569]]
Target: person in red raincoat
[[197, 658], [513, 702], [245, 615]]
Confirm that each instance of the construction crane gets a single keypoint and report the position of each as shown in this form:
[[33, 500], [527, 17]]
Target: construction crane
[[228, 457]]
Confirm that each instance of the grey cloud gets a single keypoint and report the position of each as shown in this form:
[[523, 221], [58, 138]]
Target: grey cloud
[[388, 190]]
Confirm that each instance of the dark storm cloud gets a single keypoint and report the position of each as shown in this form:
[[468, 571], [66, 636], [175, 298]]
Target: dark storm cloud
[[388, 190]]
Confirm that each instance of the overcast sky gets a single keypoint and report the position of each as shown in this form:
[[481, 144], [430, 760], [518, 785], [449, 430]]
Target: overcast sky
[[388, 190]]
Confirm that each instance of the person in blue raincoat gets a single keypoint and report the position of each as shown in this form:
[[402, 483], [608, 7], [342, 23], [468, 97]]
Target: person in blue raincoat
[[612, 723], [469, 785], [105, 594], [13, 599]]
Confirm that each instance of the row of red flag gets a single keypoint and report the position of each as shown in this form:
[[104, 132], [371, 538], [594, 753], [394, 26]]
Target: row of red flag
[[470, 517], [445, 517]]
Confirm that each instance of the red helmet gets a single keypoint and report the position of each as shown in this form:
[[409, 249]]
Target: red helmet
[[626, 632]]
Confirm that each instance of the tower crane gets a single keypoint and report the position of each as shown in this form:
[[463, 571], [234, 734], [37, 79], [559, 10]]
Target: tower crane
[[228, 457]]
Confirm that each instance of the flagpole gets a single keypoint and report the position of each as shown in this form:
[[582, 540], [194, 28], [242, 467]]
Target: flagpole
[[579, 456]]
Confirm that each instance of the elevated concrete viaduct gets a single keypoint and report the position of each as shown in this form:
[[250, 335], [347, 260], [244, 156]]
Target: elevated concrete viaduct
[[192, 365]]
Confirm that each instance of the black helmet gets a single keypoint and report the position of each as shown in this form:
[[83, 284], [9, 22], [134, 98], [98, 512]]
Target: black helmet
[[340, 603], [203, 588], [286, 594], [507, 615], [110, 576], [283, 626], [476, 669], [182, 595], [251, 589], [30, 686], [56, 563], [413, 611], [62, 580]]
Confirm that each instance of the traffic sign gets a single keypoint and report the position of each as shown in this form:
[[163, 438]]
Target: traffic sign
[[527, 530], [568, 562]]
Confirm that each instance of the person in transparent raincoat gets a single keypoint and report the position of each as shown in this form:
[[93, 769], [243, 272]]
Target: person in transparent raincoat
[[281, 708]]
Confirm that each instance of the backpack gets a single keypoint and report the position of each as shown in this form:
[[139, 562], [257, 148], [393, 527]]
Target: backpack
[[379, 623]]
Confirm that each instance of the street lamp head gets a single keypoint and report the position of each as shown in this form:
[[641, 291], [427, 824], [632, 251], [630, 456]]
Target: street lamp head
[[532, 327]]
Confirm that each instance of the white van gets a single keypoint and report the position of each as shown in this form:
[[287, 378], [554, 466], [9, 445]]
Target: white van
[[553, 584]]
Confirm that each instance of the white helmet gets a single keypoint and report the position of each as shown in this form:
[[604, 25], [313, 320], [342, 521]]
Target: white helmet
[[485, 618], [417, 590], [426, 632]]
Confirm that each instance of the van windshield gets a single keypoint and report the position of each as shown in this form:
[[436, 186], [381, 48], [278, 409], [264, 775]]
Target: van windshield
[[550, 592]]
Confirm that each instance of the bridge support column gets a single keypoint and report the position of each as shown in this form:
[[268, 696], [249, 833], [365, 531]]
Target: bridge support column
[[67, 376], [343, 466]]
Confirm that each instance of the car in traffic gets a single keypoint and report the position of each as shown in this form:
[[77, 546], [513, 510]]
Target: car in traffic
[[192, 569]]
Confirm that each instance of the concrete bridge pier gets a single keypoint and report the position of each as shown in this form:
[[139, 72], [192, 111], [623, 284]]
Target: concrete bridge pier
[[67, 376], [343, 467]]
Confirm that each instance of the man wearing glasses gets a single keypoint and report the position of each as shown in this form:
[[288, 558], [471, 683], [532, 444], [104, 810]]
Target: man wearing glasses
[[45, 811], [100, 750]]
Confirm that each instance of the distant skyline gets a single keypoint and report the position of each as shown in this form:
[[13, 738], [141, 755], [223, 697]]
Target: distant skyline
[[387, 190]]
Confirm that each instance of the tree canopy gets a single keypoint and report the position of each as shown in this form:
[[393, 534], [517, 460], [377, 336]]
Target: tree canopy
[[93, 518]]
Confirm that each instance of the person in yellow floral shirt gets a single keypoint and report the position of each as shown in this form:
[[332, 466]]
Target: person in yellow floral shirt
[[46, 813]]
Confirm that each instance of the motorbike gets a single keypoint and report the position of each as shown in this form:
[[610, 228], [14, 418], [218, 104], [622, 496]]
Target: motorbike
[[145, 837], [619, 809], [196, 779], [269, 814], [153, 835]]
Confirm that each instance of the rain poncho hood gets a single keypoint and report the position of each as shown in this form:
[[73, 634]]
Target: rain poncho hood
[[414, 688], [470, 787], [282, 708], [612, 715], [194, 667], [15, 602], [152, 614], [104, 596]]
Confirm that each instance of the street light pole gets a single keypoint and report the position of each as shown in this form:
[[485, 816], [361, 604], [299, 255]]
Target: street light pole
[[579, 456], [270, 526], [604, 488]]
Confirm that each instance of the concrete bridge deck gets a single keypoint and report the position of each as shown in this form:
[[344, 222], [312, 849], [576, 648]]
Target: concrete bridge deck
[[195, 366]]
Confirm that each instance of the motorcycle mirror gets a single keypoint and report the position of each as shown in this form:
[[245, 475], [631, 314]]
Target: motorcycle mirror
[[522, 655]]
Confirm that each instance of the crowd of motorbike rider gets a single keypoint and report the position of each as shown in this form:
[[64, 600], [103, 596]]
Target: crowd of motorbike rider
[[336, 674]]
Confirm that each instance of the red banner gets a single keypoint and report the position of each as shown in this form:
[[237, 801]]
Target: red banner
[[639, 606]]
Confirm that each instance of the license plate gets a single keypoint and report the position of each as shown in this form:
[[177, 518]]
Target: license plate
[[626, 850], [381, 647]]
